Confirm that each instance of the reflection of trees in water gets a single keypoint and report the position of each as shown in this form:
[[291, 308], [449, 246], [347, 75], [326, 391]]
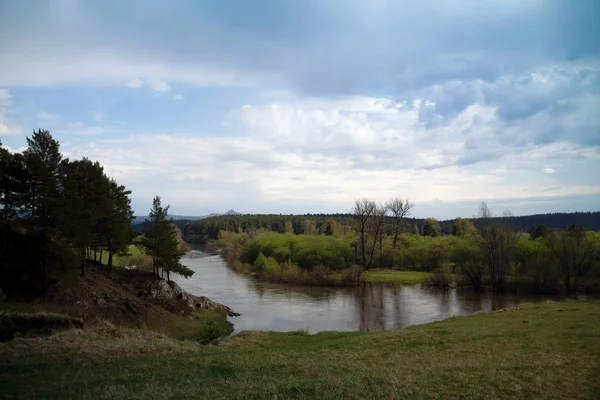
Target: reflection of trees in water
[[298, 292], [378, 307], [499, 301]]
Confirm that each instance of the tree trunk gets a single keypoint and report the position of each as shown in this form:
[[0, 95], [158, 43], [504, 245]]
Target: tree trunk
[[362, 242], [396, 231], [44, 272], [110, 255], [83, 260], [381, 249]]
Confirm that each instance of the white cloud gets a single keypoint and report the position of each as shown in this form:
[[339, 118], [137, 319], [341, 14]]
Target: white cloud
[[548, 170], [155, 84], [75, 124], [8, 125], [344, 149], [216, 170], [177, 97], [158, 85], [5, 97], [135, 83]]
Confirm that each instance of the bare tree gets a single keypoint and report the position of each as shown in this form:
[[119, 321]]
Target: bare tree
[[370, 217], [572, 252], [499, 246], [399, 209]]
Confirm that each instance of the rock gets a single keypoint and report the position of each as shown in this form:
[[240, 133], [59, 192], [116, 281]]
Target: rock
[[102, 303], [131, 308], [206, 303], [159, 290], [170, 291]]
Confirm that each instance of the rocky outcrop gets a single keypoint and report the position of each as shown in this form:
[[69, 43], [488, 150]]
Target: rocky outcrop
[[169, 292]]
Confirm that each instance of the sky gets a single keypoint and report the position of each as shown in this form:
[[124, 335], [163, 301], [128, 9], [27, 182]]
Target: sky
[[303, 106]]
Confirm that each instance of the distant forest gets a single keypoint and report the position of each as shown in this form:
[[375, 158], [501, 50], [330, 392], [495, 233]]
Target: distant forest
[[199, 231]]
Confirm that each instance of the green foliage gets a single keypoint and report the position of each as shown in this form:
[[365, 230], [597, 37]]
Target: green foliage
[[353, 276], [54, 212], [432, 228], [313, 258], [464, 228], [259, 262], [210, 333], [467, 258], [161, 241], [539, 230], [271, 269], [442, 276]]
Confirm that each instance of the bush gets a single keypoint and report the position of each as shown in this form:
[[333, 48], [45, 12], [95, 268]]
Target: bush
[[210, 333], [271, 269], [259, 262], [37, 324], [442, 277], [467, 260], [353, 276]]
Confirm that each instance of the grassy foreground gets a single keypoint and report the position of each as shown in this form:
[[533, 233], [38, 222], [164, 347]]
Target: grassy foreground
[[541, 351]]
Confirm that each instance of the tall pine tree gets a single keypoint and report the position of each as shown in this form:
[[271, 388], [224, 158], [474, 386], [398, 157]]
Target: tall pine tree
[[162, 243]]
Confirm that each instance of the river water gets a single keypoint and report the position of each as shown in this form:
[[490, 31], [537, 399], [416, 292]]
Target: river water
[[373, 307]]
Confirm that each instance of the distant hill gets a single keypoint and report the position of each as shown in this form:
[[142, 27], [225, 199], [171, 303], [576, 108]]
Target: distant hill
[[140, 219], [198, 231], [180, 220]]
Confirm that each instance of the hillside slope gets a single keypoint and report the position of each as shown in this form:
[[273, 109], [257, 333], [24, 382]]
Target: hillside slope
[[539, 351]]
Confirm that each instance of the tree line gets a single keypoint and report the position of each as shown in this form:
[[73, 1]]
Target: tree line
[[492, 252], [207, 229], [57, 214]]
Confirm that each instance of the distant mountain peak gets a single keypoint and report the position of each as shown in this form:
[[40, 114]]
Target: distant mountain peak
[[232, 212]]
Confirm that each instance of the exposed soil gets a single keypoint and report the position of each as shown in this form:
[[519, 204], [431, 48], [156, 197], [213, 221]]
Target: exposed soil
[[126, 296]]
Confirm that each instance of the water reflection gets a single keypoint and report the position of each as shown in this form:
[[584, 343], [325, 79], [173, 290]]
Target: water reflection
[[372, 307]]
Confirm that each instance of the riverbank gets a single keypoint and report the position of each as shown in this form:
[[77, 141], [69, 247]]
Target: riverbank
[[544, 351], [127, 298], [381, 275]]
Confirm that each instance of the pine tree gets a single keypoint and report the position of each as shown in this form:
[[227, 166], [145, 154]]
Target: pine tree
[[117, 232], [43, 193], [162, 242]]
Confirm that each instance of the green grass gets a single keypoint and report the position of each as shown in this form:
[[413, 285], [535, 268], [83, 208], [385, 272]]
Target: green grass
[[384, 275], [162, 321], [381, 275], [542, 351], [135, 254]]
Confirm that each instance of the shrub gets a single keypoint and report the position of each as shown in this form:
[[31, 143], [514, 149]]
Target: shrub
[[441, 276], [210, 333], [271, 269], [353, 275], [259, 262]]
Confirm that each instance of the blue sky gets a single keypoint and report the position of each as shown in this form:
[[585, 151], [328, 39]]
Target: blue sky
[[303, 106]]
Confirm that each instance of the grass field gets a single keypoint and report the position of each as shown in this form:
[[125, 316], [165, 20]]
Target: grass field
[[393, 276], [541, 351], [136, 257]]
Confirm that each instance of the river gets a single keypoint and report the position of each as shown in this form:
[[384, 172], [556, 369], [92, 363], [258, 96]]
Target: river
[[373, 307]]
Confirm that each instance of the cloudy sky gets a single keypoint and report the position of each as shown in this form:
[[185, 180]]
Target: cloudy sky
[[293, 106]]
